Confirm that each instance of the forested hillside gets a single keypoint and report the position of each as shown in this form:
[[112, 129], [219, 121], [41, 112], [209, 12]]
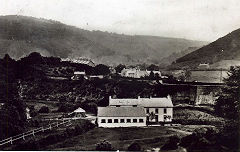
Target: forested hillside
[[225, 48], [20, 35]]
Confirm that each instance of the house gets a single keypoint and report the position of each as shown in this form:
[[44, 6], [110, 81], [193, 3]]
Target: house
[[1, 105], [133, 73], [28, 113], [78, 113], [156, 109], [121, 117], [80, 60], [203, 66], [78, 75], [154, 72]]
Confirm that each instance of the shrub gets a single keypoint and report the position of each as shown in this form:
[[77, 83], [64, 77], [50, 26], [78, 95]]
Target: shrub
[[78, 130], [31, 145], [172, 144], [44, 109], [134, 147], [104, 146]]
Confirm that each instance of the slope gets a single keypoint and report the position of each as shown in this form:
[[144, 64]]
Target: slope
[[20, 35], [225, 48]]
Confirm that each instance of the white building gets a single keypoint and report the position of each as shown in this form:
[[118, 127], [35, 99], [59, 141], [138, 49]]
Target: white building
[[155, 72], [133, 73], [28, 113], [156, 109], [80, 60], [78, 75], [78, 113], [121, 117], [137, 73]]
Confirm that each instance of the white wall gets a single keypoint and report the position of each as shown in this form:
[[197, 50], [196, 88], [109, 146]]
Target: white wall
[[161, 113], [119, 124]]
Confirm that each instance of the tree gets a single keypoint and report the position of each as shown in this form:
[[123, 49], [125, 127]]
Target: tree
[[104, 146], [102, 69], [228, 103], [151, 75], [119, 68], [44, 109], [187, 75], [153, 67]]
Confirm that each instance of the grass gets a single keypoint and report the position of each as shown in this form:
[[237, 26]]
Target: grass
[[121, 138], [194, 114]]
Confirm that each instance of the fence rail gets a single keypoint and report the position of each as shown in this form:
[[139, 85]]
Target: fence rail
[[33, 132]]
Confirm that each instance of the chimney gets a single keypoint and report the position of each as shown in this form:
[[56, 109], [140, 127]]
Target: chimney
[[139, 97], [169, 97], [110, 98]]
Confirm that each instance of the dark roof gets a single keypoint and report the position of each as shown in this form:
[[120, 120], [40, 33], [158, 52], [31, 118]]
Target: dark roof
[[121, 112]]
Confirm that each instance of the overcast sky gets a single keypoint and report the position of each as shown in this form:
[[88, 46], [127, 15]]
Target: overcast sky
[[191, 19]]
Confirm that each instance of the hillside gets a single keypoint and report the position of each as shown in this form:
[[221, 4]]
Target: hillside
[[20, 35], [226, 48]]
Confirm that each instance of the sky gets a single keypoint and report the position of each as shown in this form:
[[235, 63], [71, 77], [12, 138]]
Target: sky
[[205, 20]]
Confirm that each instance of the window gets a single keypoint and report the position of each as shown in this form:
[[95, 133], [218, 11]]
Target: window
[[165, 110], [128, 120], [134, 105], [147, 110], [117, 105], [103, 121], [109, 120], [122, 120], [115, 120], [134, 120], [156, 110], [140, 120]]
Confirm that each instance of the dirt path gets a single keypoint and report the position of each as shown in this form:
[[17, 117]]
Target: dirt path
[[181, 131]]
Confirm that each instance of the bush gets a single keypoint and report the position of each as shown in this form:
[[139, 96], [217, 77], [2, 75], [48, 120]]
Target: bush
[[44, 109], [134, 147], [31, 145], [104, 146], [172, 144], [65, 108]]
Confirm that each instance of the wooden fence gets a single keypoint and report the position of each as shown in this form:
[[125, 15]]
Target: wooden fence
[[34, 132]]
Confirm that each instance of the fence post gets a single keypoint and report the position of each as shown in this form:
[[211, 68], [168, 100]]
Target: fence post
[[33, 133], [11, 141], [50, 127], [42, 129], [57, 124], [23, 137]]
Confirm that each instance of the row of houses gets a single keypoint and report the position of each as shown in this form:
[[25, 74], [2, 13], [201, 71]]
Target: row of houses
[[77, 75], [135, 112], [137, 73], [80, 60]]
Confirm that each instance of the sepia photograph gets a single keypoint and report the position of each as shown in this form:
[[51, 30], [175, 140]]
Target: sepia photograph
[[120, 75]]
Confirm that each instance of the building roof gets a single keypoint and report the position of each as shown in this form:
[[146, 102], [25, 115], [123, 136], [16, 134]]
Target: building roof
[[80, 72], [79, 110], [156, 102], [145, 102], [119, 102], [121, 112], [80, 60]]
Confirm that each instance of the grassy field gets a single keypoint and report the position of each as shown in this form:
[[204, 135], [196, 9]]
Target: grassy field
[[194, 116], [121, 138], [208, 76]]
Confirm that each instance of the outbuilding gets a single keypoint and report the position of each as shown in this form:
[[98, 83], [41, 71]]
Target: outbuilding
[[78, 113]]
